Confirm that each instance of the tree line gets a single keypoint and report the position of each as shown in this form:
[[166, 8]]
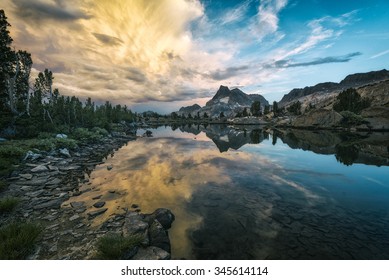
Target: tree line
[[29, 108]]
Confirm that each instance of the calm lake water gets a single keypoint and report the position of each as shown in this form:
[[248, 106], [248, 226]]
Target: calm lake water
[[248, 193]]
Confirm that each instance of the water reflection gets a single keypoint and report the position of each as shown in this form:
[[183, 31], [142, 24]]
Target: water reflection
[[251, 196]]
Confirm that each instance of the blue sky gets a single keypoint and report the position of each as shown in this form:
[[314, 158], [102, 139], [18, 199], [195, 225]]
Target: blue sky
[[162, 55]]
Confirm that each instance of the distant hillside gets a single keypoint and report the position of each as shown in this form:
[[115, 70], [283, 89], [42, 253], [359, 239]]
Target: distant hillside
[[354, 81]]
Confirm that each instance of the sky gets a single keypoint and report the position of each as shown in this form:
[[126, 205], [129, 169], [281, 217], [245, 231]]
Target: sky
[[161, 55]]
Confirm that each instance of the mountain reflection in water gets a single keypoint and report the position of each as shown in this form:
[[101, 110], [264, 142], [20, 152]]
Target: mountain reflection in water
[[259, 195]]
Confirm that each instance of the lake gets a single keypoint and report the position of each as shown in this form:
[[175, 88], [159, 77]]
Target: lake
[[251, 193]]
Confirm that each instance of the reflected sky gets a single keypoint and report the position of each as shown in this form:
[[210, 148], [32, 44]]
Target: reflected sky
[[242, 204]]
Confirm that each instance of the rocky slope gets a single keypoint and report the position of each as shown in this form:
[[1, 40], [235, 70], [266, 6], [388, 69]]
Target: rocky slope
[[225, 100], [320, 93]]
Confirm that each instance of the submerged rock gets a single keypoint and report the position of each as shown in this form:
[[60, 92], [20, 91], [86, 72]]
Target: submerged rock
[[96, 213]]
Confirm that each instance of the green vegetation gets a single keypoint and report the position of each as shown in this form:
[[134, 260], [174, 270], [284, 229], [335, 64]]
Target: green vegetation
[[350, 118], [275, 108], [350, 100], [295, 108], [256, 108], [17, 240], [115, 246], [8, 204]]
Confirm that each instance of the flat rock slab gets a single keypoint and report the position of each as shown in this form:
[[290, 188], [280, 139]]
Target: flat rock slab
[[26, 176], [151, 253], [54, 181], [40, 168], [52, 204], [96, 213], [70, 167], [77, 204], [99, 204]]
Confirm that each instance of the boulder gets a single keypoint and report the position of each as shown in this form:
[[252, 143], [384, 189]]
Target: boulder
[[32, 156], [159, 236], [134, 224], [61, 136], [164, 216], [64, 152]]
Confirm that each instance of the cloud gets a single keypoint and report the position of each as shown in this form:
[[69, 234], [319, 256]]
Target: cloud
[[136, 75], [236, 14], [109, 40], [323, 60], [380, 54], [39, 10], [227, 73], [267, 18]]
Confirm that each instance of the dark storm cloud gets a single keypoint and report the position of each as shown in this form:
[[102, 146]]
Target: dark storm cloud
[[38, 11], [135, 75], [108, 40], [323, 60], [227, 73]]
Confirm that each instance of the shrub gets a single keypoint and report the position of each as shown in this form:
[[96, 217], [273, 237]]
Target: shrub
[[17, 240], [8, 204], [350, 100], [86, 136], [65, 143], [351, 118], [115, 246]]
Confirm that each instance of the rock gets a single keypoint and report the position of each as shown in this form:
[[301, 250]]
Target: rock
[[111, 191], [74, 217], [134, 206], [55, 181], [109, 167], [3, 140], [322, 118], [77, 204], [51, 204], [97, 197], [151, 253], [70, 167], [164, 216], [26, 176], [52, 168], [96, 213], [99, 204], [39, 168], [61, 136], [32, 156], [158, 236], [64, 152], [134, 224]]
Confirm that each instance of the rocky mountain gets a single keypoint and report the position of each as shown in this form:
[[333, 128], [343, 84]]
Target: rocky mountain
[[328, 88], [189, 109], [230, 102]]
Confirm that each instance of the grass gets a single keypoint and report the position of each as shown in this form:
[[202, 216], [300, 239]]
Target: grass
[[8, 204], [114, 246], [11, 152], [17, 240]]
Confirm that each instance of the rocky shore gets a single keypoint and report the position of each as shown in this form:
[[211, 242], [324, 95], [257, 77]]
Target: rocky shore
[[45, 181]]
